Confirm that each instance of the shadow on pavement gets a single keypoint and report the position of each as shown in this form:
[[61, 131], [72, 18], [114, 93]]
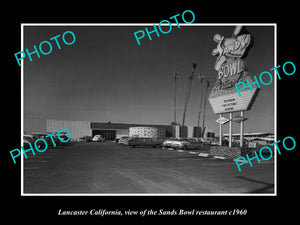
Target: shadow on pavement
[[268, 188]]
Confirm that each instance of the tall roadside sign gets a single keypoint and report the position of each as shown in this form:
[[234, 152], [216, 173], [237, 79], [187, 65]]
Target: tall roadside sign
[[231, 69]]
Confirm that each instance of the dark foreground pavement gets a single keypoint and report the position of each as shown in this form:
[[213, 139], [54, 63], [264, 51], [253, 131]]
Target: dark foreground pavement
[[100, 168]]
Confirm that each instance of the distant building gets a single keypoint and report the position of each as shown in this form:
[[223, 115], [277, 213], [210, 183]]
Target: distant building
[[111, 131], [261, 138], [77, 128], [197, 131], [147, 132]]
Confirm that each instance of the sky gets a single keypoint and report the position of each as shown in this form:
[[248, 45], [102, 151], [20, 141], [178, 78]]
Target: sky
[[106, 76]]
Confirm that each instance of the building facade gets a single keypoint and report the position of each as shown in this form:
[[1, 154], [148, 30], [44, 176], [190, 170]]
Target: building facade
[[261, 138], [111, 131], [77, 128], [147, 132]]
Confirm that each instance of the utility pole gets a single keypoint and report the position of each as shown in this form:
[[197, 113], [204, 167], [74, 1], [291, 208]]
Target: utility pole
[[200, 77], [207, 82], [176, 76], [187, 96]]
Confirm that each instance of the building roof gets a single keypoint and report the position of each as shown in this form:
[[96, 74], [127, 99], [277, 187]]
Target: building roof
[[251, 134], [96, 125], [260, 138]]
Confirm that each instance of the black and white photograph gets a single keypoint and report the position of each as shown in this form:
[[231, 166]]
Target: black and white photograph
[[144, 116]]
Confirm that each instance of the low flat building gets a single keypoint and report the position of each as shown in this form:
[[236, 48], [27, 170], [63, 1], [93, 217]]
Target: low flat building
[[147, 132], [111, 131], [261, 138]]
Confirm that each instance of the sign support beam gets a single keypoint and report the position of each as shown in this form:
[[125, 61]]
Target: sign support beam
[[220, 134], [242, 129], [230, 129]]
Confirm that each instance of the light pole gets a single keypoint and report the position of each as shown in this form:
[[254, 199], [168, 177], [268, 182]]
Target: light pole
[[176, 76], [207, 82], [201, 78], [187, 96]]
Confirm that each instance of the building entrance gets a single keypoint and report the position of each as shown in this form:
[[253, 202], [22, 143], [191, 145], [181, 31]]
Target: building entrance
[[107, 134]]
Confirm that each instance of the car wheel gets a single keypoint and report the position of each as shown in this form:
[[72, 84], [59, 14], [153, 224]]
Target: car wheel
[[184, 147], [133, 146]]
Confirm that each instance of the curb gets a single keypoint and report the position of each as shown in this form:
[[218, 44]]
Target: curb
[[202, 154], [193, 152], [240, 161], [205, 155], [219, 157]]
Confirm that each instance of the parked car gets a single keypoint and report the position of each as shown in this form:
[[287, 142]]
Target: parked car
[[182, 144], [196, 142], [193, 140], [206, 141], [145, 142], [123, 140], [214, 143], [41, 144], [85, 138], [55, 138], [64, 135], [28, 139], [168, 142], [99, 138]]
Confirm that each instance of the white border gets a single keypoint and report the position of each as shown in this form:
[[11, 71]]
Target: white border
[[22, 112], [275, 109], [149, 24]]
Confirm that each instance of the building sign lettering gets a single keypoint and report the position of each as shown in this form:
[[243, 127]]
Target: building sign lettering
[[231, 70]]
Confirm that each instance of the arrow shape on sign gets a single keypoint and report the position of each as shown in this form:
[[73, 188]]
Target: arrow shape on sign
[[222, 120], [239, 119]]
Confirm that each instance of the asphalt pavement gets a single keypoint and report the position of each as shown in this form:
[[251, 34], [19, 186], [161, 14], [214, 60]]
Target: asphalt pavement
[[109, 168]]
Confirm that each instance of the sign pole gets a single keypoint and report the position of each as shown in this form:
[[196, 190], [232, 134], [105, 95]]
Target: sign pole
[[220, 134], [230, 129], [174, 133], [242, 129]]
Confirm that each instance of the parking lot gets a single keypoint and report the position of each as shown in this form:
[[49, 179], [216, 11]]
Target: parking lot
[[109, 168]]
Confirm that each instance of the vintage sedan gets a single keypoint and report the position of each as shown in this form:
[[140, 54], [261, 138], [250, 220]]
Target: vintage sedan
[[85, 138], [145, 142], [184, 145], [123, 140], [98, 138], [42, 135], [168, 142]]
